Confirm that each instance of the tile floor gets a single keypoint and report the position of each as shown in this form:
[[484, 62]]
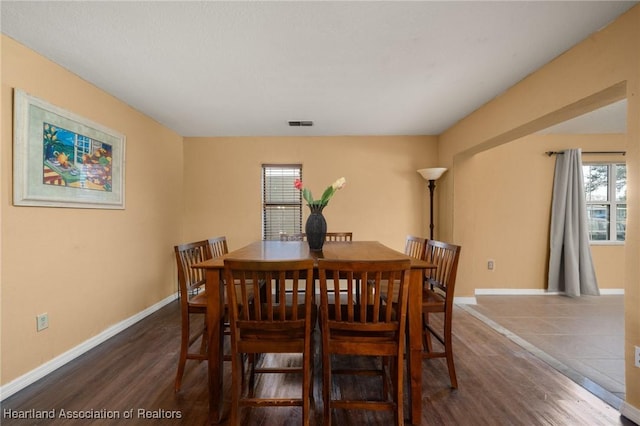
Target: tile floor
[[582, 337]]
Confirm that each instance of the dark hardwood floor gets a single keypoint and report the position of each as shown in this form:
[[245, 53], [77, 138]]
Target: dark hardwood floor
[[499, 384]]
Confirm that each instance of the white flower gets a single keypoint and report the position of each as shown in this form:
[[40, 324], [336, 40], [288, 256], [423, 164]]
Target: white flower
[[338, 184]]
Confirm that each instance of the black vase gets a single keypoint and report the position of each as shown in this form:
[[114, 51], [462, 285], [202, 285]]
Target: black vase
[[316, 227]]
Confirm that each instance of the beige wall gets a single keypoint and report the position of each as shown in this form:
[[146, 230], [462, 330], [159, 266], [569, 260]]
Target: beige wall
[[600, 70], [88, 269], [511, 194], [382, 201]]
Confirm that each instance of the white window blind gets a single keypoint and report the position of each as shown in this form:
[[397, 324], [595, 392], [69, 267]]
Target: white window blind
[[281, 201]]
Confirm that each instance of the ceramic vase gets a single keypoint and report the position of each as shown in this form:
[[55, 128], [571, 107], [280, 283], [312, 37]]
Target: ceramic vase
[[316, 227]]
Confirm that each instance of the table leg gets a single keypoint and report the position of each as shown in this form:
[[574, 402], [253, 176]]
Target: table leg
[[215, 312], [414, 351]]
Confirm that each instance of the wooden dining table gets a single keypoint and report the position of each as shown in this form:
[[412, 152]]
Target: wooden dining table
[[295, 250]]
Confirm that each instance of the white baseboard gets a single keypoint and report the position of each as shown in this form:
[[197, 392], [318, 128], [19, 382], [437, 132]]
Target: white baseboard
[[611, 291], [522, 292], [535, 292], [465, 300], [50, 366], [630, 412]]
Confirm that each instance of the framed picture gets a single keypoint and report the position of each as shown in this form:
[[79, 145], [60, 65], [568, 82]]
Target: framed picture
[[63, 160]]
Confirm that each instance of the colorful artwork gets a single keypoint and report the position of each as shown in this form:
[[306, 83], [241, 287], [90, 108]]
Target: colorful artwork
[[74, 160], [64, 160]]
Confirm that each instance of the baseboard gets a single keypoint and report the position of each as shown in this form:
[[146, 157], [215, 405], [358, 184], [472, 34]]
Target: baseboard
[[536, 292], [630, 412], [50, 366], [522, 292], [611, 291], [465, 300]]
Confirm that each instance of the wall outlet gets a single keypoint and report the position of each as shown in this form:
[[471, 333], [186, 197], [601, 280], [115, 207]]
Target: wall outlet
[[491, 264], [637, 357], [42, 321]]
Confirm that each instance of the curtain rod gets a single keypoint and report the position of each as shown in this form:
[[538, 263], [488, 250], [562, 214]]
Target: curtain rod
[[550, 153]]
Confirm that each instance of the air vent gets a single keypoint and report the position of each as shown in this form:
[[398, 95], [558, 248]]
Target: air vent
[[300, 123]]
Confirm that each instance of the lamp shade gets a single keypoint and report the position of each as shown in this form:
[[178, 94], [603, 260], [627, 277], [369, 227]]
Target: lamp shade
[[432, 173]]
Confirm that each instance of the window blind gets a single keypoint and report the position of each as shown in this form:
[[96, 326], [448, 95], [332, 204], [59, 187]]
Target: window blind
[[281, 201]]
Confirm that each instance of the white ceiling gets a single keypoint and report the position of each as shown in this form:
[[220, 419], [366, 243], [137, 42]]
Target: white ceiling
[[209, 68]]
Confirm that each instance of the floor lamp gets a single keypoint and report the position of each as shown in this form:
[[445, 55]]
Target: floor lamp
[[431, 174]]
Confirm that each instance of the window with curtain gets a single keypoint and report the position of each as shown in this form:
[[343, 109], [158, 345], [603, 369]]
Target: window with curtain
[[281, 201], [606, 197]]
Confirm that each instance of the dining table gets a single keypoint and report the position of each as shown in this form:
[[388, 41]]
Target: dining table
[[266, 250]]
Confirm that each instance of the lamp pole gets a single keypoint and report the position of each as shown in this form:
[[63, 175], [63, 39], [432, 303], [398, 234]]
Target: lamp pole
[[432, 187], [431, 175]]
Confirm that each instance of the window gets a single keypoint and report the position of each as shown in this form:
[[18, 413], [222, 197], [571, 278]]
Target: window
[[281, 201], [606, 195]]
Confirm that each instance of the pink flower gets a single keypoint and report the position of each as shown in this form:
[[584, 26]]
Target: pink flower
[[298, 184]]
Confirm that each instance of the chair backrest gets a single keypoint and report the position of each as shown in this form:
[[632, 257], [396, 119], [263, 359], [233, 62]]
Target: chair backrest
[[188, 255], [251, 288], [443, 278], [415, 247], [293, 237], [218, 246], [339, 236], [380, 315], [330, 236]]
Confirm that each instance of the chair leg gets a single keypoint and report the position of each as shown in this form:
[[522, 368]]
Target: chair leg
[[428, 346], [253, 360], [397, 390], [184, 347], [448, 348], [307, 365], [326, 386], [236, 389], [387, 368]]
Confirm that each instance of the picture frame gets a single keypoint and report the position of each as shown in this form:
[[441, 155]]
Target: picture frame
[[61, 159]]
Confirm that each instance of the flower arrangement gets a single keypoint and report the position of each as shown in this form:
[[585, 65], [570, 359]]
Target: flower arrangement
[[326, 195]]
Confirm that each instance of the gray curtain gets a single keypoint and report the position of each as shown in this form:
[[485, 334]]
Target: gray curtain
[[570, 265]]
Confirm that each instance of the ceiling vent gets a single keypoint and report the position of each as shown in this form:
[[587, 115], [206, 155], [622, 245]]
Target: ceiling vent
[[301, 123]]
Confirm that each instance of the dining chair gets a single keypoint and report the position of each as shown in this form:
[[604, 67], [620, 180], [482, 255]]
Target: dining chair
[[415, 246], [218, 246], [330, 236], [293, 237], [339, 236], [193, 300], [263, 323], [375, 327], [437, 298]]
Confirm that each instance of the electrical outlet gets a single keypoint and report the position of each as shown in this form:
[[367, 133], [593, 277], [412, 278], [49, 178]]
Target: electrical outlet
[[491, 264], [637, 357], [42, 321]]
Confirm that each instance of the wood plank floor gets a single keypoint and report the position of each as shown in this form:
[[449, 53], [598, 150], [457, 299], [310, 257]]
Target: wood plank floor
[[500, 384]]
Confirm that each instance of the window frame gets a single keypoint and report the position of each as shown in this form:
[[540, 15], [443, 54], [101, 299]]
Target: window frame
[[267, 204], [611, 201]]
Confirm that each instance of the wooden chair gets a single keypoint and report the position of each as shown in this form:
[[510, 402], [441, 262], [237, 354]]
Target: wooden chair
[[218, 246], [267, 324], [193, 300], [437, 297], [331, 236], [293, 237], [374, 327], [415, 246], [339, 236]]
